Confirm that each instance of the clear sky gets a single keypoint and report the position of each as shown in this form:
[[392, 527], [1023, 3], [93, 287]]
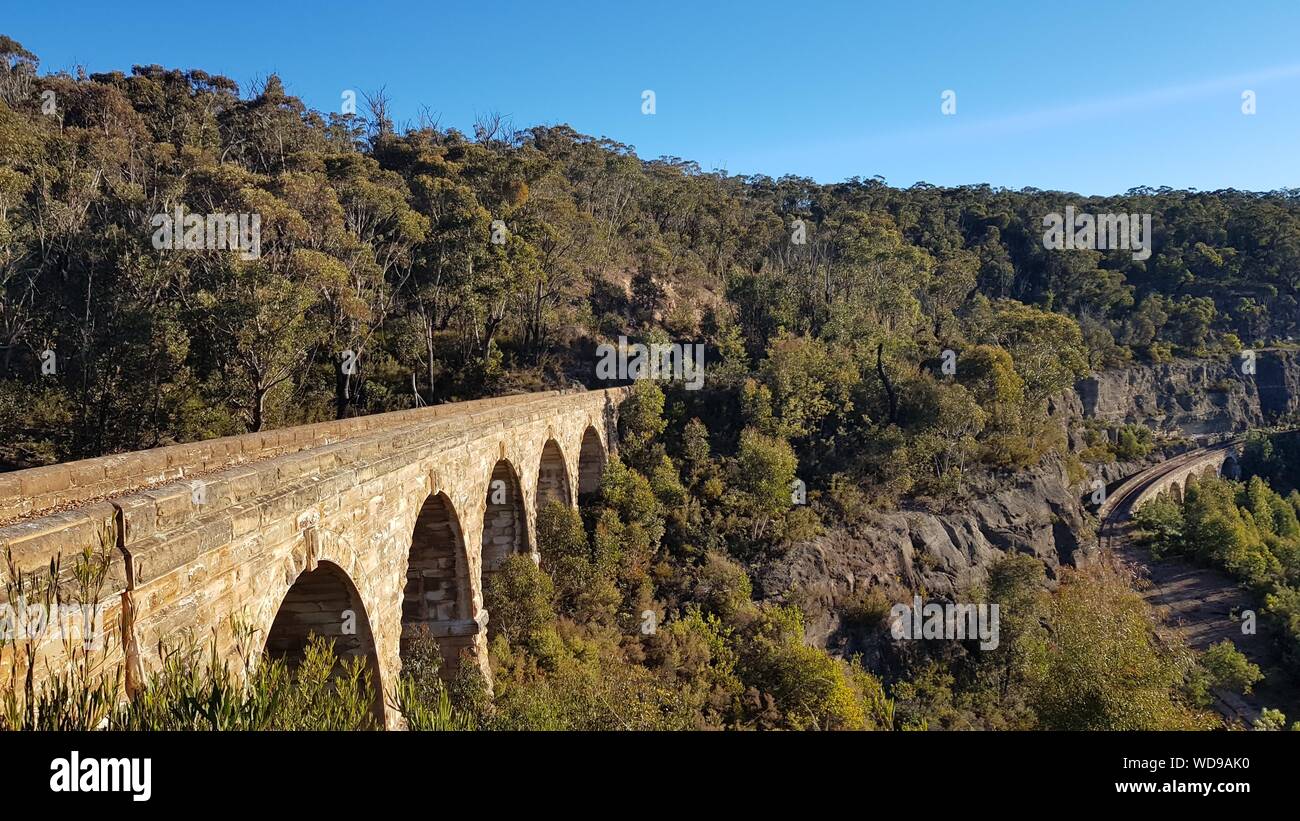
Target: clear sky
[[1093, 97]]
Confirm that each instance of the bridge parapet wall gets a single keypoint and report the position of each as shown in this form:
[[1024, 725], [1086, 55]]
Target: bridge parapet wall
[[41, 490], [1211, 464]]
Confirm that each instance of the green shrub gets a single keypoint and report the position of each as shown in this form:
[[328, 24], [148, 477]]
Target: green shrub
[[1229, 668]]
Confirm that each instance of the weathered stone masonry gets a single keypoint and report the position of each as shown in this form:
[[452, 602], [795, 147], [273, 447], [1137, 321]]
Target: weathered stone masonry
[[389, 520]]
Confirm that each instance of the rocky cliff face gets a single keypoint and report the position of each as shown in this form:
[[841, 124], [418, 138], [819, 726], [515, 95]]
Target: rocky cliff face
[[1193, 398], [943, 555]]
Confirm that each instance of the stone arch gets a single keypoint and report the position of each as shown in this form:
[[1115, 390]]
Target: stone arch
[[591, 462], [552, 476], [324, 602], [505, 529], [1231, 468], [438, 599], [1176, 491]]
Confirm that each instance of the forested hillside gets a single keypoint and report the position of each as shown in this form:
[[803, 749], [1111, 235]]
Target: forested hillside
[[377, 240]]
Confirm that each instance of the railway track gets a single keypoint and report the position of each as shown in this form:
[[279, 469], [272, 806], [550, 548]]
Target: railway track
[[1196, 589]]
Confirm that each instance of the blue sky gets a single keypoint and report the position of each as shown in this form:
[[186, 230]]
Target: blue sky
[[1096, 97]]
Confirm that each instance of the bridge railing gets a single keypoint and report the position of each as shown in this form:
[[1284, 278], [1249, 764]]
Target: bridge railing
[[36, 491], [220, 505]]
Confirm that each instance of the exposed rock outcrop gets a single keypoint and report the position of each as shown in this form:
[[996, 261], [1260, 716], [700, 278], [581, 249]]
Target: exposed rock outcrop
[[941, 555], [1193, 397]]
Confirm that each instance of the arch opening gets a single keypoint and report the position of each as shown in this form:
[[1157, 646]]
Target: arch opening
[[552, 477], [503, 519], [503, 529], [437, 600], [591, 463], [324, 602], [1231, 468]]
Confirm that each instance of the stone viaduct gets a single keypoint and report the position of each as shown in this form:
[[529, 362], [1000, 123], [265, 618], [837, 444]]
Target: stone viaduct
[[1173, 479], [366, 530]]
